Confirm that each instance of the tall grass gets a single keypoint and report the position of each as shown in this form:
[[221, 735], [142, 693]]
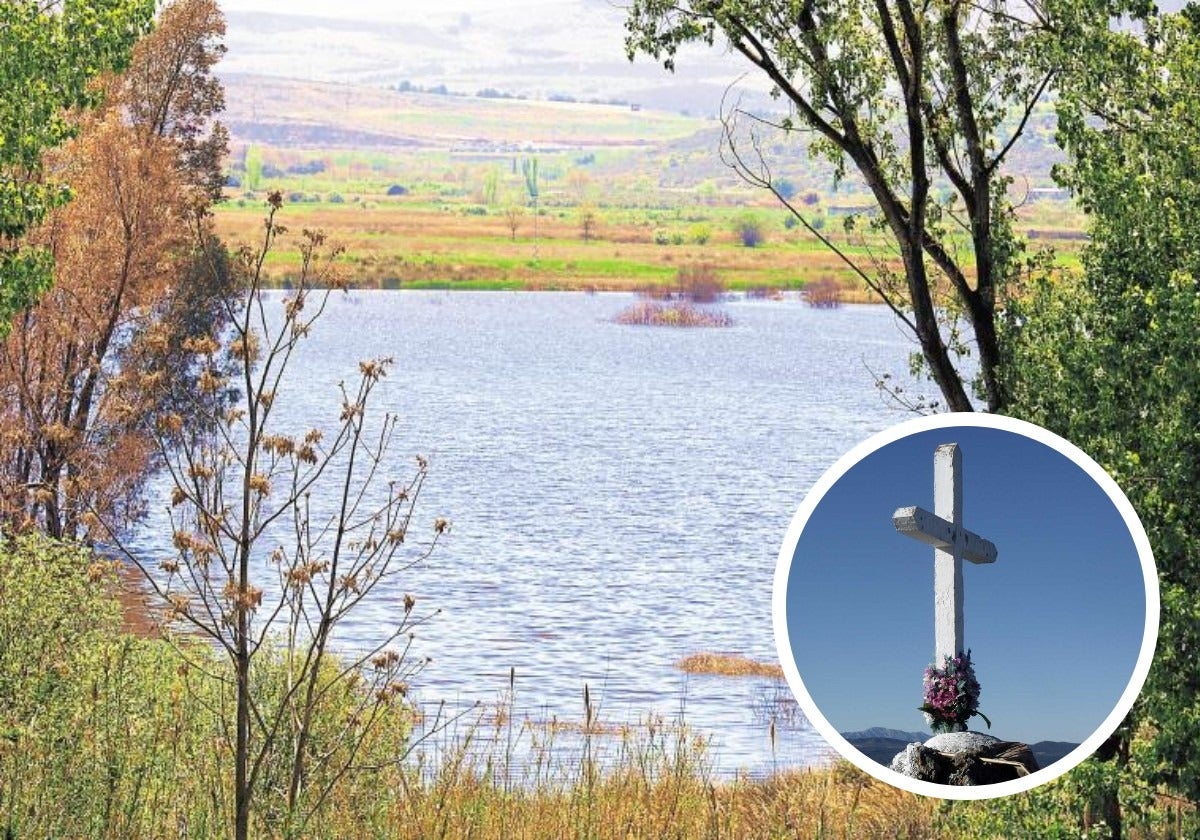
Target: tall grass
[[728, 665], [104, 735], [652, 780]]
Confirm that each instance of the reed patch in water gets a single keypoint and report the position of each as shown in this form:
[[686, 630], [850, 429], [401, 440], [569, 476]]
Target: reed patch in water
[[674, 314], [728, 665]]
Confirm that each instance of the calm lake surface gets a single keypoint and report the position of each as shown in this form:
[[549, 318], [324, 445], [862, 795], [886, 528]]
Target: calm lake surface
[[618, 494]]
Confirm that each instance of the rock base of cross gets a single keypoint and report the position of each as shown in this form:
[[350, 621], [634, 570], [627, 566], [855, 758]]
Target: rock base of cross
[[965, 758]]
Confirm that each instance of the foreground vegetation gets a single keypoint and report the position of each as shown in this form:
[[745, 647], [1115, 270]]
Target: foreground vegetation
[[108, 735], [105, 735]]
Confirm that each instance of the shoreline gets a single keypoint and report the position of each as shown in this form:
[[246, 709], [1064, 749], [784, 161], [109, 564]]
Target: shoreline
[[135, 598], [770, 294]]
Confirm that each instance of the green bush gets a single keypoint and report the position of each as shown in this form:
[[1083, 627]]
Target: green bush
[[105, 735], [749, 229], [700, 233]]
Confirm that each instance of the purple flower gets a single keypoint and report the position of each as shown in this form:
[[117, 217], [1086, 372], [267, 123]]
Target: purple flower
[[951, 694]]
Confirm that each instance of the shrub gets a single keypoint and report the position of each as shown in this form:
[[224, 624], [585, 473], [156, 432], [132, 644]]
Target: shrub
[[312, 167], [823, 293], [336, 198], [749, 229], [700, 234], [396, 189], [699, 283]]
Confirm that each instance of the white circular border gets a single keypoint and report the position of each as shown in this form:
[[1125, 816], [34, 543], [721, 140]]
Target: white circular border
[[945, 421]]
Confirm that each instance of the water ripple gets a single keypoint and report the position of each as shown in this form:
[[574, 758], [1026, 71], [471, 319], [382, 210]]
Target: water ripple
[[618, 494]]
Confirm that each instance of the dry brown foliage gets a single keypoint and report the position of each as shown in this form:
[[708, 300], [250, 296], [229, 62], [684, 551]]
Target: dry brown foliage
[[823, 293], [75, 369]]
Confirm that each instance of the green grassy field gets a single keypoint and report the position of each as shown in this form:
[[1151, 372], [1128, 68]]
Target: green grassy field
[[429, 191], [421, 240]]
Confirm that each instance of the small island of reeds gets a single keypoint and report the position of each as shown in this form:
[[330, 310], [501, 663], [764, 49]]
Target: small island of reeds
[[682, 305], [672, 314]]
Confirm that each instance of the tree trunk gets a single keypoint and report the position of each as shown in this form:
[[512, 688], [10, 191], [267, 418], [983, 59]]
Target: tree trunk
[[241, 826]]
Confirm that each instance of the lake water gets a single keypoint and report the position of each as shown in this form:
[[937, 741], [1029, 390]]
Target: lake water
[[618, 494]]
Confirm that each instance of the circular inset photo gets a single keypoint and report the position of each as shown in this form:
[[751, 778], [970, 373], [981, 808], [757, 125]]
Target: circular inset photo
[[966, 606]]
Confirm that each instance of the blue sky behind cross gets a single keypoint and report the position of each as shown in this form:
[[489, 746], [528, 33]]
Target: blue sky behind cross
[[1055, 625]]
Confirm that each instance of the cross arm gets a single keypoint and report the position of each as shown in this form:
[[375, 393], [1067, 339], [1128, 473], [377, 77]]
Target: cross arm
[[931, 529]]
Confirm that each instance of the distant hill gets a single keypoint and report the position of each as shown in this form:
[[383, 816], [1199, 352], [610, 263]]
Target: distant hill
[[515, 79], [881, 745], [1048, 752], [883, 732], [574, 49], [292, 112]]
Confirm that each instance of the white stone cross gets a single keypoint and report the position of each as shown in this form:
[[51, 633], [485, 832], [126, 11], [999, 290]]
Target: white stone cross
[[952, 544]]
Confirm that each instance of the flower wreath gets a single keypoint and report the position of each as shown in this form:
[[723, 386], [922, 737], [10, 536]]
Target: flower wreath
[[952, 694]]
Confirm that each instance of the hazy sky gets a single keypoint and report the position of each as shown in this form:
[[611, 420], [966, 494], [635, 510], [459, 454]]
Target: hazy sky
[[1055, 625], [385, 10]]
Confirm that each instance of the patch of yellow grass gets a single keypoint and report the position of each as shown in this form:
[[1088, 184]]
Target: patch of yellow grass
[[556, 725], [728, 665], [664, 800]]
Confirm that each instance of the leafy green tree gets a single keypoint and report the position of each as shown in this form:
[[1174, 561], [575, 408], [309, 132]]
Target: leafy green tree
[[1110, 359], [904, 93], [254, 168], [49, 53]]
